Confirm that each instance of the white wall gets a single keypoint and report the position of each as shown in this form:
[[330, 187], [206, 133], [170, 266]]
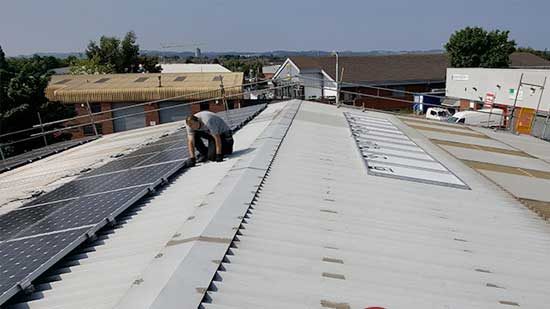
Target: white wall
[[316, 84], [462, 81]]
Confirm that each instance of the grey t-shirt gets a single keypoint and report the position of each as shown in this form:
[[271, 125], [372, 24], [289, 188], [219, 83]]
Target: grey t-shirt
[[212, 123]]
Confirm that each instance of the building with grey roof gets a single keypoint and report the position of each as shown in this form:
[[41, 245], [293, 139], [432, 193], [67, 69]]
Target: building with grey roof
[[418, 73]]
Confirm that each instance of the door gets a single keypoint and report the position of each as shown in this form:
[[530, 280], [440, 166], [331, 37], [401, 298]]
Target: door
[[128, 118], [173, 111]]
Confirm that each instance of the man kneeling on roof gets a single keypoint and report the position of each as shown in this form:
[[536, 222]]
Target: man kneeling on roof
[[208, 126]]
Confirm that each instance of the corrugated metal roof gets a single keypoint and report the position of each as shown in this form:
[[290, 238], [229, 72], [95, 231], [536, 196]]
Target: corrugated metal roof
[[140, 87], [323, 233], [297, 222]]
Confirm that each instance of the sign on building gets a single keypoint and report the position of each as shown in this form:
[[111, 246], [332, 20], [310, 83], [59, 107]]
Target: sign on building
[[512, 94], [489, 100], [461, 77]]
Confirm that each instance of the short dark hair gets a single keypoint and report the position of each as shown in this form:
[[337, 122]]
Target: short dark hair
[[191, 118]]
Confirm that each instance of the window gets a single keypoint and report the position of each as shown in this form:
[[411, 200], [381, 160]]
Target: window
[[205, 106], [180, 78], [89, 130], [141, 79], [95, 107]]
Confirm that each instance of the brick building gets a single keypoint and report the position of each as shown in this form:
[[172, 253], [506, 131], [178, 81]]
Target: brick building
[[117, 100]]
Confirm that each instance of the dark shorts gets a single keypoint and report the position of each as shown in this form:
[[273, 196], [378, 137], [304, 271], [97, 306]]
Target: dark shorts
[[209, 150]]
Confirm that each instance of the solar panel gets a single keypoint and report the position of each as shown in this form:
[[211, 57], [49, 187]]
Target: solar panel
[[18, 220], [181, 153], [388, 152], [23, 260], [38, 234], [40, 153], [119, 164], [150, 149], [145, 175], [86, 211], [75, 188]]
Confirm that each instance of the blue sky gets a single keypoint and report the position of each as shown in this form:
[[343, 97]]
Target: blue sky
[[28, 26]]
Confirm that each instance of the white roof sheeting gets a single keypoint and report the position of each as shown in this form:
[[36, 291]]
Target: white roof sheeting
[[317, 232], [323, 233], [193, 68]]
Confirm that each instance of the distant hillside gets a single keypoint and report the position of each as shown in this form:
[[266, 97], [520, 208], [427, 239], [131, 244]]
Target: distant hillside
[[275, 53]]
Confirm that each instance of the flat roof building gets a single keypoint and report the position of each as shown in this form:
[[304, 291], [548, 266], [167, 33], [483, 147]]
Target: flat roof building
[[523, 93]]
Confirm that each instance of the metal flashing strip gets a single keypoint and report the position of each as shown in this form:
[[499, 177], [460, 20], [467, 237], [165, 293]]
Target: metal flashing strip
[[401, 159]]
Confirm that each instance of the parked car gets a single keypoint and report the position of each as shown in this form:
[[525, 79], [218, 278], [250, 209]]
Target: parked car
[[484, 117], [437, 113]]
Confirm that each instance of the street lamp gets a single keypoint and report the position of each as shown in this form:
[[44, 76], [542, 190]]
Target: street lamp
[[335, 53]]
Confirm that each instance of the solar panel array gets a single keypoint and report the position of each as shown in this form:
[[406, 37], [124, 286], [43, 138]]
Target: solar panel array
[[388, 152], [39, 233], [40, 153]]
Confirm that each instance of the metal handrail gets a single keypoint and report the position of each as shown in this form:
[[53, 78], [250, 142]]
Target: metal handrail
[[57, 130]]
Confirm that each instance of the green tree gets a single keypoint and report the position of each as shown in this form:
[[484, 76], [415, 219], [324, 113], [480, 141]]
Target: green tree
[[476, 47], [3, 62], [106, 53], [112, 55], [129, 52], [22, 94]]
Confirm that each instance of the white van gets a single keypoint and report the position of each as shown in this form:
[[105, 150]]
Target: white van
[[483, 117], [437, 113]]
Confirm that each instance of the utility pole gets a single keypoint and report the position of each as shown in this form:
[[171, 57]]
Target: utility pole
[[335, 53]]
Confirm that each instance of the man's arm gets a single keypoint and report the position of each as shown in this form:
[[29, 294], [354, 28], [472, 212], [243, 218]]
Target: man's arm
[[191, 146], [218, 139]]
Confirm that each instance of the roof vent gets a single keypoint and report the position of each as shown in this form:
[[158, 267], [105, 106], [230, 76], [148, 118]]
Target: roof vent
[[102, 80], [141, 79], [61, 82]]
